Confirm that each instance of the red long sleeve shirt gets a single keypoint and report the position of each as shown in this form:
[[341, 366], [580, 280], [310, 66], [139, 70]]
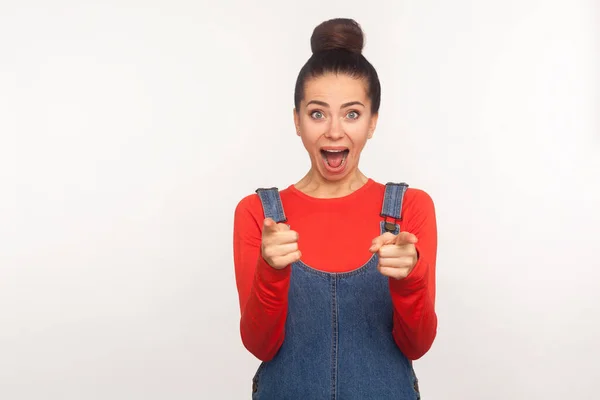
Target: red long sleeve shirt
[[334, 236]]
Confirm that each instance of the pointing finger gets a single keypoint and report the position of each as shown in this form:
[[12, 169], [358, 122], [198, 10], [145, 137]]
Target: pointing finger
[[379, 241], [272, 226], [404, 238], [269, 224]]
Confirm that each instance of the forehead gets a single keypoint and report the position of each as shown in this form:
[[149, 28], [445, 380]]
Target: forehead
[[336, 88]]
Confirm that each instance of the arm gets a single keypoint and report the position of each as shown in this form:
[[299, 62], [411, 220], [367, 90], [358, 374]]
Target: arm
[[413, 298], [262, 289]]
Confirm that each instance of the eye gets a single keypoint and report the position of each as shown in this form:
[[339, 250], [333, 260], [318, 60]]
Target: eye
[[352, 115], [316, 114]]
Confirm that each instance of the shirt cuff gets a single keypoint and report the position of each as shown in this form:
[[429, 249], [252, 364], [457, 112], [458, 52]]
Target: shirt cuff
[[269, 275]]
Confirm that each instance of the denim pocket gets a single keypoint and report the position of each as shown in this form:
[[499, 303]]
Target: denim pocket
[[255, 381]]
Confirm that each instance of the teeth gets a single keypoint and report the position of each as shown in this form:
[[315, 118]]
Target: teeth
[[334, 151]]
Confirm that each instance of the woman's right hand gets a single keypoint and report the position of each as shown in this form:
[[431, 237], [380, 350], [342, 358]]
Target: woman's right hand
[[279, 244]]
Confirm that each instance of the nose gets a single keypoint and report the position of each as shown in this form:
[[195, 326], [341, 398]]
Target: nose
[[335, 130]]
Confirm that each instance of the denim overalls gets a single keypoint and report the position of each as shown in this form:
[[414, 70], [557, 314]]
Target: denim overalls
[[338, 332]]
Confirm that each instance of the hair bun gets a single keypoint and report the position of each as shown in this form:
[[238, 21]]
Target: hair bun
[[338, 33]]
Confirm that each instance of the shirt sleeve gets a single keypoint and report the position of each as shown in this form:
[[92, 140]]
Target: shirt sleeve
[[413, 298], [262, 290]]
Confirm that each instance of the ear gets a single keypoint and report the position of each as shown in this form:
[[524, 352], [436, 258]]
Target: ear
[[372, 125], [296, 121]]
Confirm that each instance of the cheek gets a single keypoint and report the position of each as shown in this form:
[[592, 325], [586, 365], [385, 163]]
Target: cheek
[[310, 132], [309, 140], [358, 133]]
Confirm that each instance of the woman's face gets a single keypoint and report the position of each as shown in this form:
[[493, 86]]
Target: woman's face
[[335, 122]]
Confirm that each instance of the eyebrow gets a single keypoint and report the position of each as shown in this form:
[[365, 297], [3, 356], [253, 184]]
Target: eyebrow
[[322, 103]]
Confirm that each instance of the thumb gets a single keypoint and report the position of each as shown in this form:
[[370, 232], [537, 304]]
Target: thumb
[[404, 238]]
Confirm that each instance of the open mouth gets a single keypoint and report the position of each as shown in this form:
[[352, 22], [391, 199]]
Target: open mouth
[[335, 159]]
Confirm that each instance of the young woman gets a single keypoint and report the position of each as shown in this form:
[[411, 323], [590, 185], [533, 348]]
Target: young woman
[[336, 273]]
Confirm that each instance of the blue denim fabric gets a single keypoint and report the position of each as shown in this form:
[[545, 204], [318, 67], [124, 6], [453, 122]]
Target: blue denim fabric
[[338, 334], [392, 202]]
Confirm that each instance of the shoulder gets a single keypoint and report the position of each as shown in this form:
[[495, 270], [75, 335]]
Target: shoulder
[[250, 206], [414, 198], [248, 202], [252, 201], [418, 197], [412, 194], [418, 208], [248, 209]]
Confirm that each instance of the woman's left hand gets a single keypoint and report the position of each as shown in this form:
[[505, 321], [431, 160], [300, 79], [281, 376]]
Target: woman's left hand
[[397, 254]]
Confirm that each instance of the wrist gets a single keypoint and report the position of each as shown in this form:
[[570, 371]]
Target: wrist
[[268, 273]]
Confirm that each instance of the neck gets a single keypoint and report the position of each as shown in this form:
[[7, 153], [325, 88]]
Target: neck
[[315, 185]]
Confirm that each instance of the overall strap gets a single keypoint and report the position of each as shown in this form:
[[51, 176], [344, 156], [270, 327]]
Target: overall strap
[[271, 202], [392, 206]]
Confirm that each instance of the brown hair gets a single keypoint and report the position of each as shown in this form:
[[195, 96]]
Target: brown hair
[[337, 48]]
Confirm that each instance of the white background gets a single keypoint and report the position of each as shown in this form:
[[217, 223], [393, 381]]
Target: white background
[[130, 130]]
